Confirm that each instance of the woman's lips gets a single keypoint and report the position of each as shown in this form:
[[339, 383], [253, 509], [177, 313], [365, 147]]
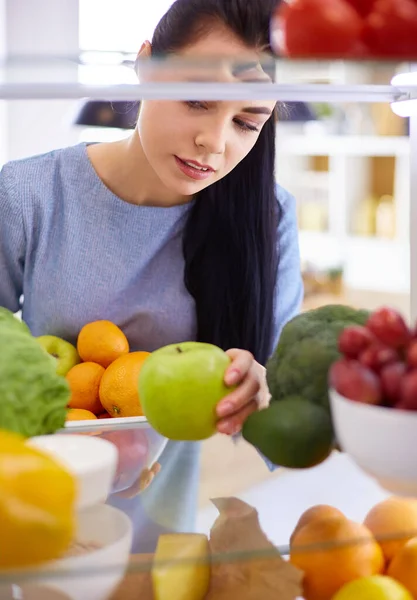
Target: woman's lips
[[194, 170]]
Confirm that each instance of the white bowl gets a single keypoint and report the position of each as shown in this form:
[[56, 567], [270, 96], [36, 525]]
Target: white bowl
[[139, 445], [382, 442], [91, 576], [93, 461]]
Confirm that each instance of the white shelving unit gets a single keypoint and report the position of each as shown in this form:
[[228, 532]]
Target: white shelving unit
[[349, 157]]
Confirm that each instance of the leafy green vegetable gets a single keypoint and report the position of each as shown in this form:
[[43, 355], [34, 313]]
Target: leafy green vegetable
[[306, 349], [33, 398]]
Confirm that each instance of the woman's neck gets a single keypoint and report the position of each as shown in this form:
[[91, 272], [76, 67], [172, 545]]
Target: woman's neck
[[125, 170]]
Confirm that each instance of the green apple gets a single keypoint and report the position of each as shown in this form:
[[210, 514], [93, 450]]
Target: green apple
[[65, 354], [180, 386]]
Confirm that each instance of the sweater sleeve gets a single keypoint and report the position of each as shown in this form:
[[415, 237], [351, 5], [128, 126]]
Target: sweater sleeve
[[12, 242], [289, 288]]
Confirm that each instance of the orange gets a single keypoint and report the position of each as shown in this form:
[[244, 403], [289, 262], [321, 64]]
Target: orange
[[317, 513], [101, 342], [393, 522], [333, 552], [119, 393], [79, 414], [84, 381], [403, 566]]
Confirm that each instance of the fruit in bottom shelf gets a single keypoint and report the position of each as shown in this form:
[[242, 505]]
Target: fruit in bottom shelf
[[65, 354], [84, 381], [388, 325], [393, 522], [37, 505], [101, 342], [354, 381], [180, 386], [318, 512], [292, 433], [403, 566], [376, 587], [181, 567], [332, 553], [119, 394]]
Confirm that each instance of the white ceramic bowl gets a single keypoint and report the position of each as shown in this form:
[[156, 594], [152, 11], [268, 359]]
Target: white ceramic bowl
[[382, 442], [93, 461], [139, 445], [91, 576]]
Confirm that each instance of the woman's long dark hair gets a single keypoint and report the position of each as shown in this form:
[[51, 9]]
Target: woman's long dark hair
[[230, 239]]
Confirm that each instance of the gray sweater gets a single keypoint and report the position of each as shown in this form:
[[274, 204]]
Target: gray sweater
[[77, 253]]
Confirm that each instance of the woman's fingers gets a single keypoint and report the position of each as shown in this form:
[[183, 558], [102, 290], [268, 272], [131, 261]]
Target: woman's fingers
[[239, 398], [241, 364], [232, 425]]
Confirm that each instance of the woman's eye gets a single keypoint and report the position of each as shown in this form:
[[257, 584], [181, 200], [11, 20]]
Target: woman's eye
[[245, 126], [195, 104]]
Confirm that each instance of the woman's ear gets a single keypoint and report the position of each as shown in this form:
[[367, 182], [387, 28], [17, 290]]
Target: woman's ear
[[144, 52]]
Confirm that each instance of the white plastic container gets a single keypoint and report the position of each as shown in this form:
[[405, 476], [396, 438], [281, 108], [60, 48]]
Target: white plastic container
[[94, 575], [93, 461], [139, 445]]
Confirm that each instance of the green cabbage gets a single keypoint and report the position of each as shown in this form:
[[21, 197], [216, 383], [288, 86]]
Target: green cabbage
[[33, 398]]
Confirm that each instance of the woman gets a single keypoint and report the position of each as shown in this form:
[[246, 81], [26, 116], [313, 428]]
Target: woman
[[176, 233]]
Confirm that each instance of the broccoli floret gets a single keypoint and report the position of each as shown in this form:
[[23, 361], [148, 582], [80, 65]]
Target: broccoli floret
[[306, 349], [303, 371]]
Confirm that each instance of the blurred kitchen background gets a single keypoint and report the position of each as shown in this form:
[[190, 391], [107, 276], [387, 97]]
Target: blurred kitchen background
[[346, 164]]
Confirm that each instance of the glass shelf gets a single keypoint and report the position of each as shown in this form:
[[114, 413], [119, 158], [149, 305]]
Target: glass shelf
[[108, 76]]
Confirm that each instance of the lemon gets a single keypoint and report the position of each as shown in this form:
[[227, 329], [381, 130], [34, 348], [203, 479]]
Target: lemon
[[376, 587], [37, 505]]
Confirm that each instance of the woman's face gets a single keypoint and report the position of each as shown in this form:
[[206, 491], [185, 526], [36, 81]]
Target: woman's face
[[190, 145]]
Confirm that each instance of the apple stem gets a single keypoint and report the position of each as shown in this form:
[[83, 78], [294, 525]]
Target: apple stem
[[179, 350]]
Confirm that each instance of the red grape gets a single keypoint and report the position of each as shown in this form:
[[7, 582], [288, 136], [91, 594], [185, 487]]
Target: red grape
[[354, 339], [354, 381], [389, 327], [391, 378]]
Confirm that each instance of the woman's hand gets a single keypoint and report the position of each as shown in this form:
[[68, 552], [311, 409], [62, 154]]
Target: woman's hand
[[251, 394]]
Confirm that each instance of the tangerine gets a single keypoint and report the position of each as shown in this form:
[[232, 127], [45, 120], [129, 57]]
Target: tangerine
[[101, 342], [79, 414], [393, 522], [119, 393], [84, 381], [403, 566], [317, 513], [333, 552]]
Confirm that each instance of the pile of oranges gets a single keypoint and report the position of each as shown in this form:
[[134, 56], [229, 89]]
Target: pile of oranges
[[105, 383], [332, 550]]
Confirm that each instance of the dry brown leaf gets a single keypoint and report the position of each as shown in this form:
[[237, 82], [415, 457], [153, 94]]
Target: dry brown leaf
[[244, 562], [137, 584]]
